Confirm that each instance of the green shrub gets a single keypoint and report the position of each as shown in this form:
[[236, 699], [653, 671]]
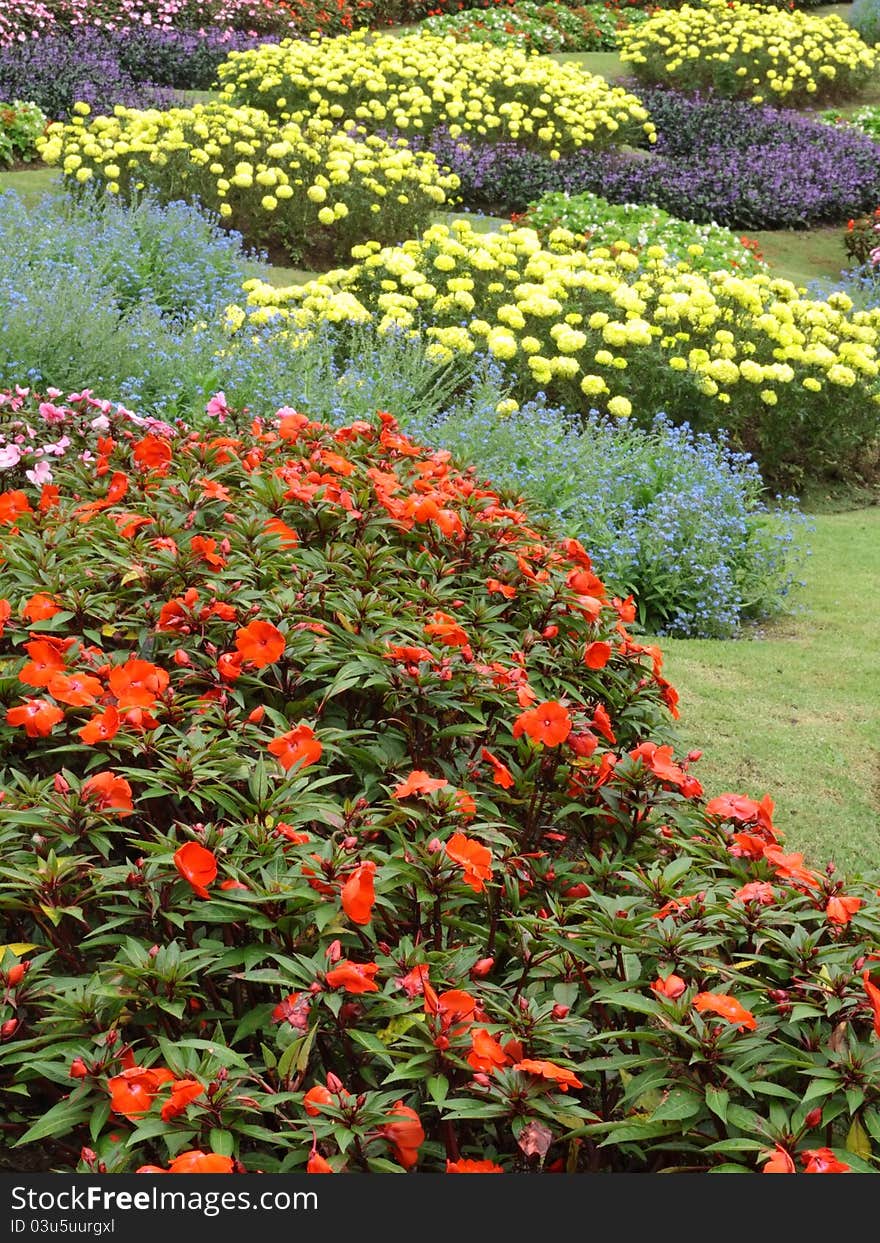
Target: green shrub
[[338, 834], [540, 27], [21, 124]]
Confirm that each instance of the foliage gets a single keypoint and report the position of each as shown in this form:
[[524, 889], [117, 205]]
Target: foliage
[[794, 379], [444, 888], [866, 119], [862, 240], [864, 17], [418, 82], [550, 27], [600, 223], [21, 124], [749, 50], [21, 20], [252, 171]]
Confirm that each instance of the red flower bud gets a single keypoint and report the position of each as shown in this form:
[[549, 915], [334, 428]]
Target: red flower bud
[[813, 1119], [333, 952], [349, 843], [483, 1080], [693, 756], [441, 1043], [78, 1069], [181, 658], [334, 1083], [88, 1156], [16, 974], [257, 715], [481, 968], [549, 632], [152, 951], [8, 1029], [434, 845], [560, 1012], [61, 786]]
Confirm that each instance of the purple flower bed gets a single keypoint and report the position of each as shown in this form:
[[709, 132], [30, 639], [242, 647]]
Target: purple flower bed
[[732, 162], [140, 68]]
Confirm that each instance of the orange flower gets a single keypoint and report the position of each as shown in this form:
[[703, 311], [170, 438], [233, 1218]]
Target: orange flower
[[463, 1166], [297, 746], [874, 998], [466, 804], [206, 549], [760, 891], [260, 643], [109, 793], [45, 662], [40, 607], [418, 782], [182, 1092], [486, 1053], [779, 1162], [354, 977], [671, 986], [197, 866], [728, 1007], [791, 867], [405, 1133], [500, 772], [12, 505], [76, 689], [285, 534], [101, 728], [132, 1092], [840, 910], [152, 453], [548, 723], [358, 894], [445, 629], [500, 589], [453, 1005], [473, 857], [316, 1164], [38, 716], [549, 1070], [823, 1161], [137, 684], [315, 1097], [197, 1162], [5, 614], [597, 655]]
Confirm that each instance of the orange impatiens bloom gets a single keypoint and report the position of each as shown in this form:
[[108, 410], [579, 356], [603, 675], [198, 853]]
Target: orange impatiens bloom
[[38, 716], [197, 1162], [197, 866], [500, 772], [597, 655], [358, 894], [549, 1070], [463, 1166], [547, 723], [354, 977], [109, 793], [260, 643], [297, 746], [727, 1007], [779, 1162], [315, 1097], [45, 662], [40, 607], [418, 782], [445, 629], [473, 857], [840, 909], [101, 728], [152, 453], [133, 1091], [791, 867], [5, 614], [455, 1005], [182, 1092], [671, 986], [405, 1133], [76, 689], [500, 589], [317, 1164], [286, 535], [137, 684], [486, 1054], [205, 549], [874, 998], [823, 1161]]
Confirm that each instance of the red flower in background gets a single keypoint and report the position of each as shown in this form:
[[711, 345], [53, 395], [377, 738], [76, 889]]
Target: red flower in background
[[549, 1070], [727, 1007], [197, 866], [822, 1161], [473, 857], [101, 728], [260, 643], [671, 986], [840, 909], [183, 1091], [38, 716], [501, 774], [548, 723], [40, 607], [153, 453], [354, 977], [133, 1091], [297, 746], [137, 684], [405, 1133], [197, 1162], [359, 895], [45, 662], [418, 782], [463, 1166], [779, 1162], [109, 793]]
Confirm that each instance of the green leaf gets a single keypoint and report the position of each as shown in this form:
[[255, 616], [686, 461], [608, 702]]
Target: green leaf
[[678, 1105], [61, 1118], [858, 1141], [222, 1142], [718, 1099]]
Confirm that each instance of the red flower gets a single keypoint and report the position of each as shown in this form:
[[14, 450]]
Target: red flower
[[137, 684], [358, 894], [760, 891], [418, 782], [316, 1096], [197, 866], [45, 662], [151, 453], [453, 1005], [109, 793], [76, 689], [132, 1092], [549, 1070], [101, 728], [728, 1007], [486, 1054], [779, 1162], [182, 1092], [671, 986], [294, 1009], [597, 655], [405, 1134], [287, 536], [445, 629], [823, 1161], [840, 910], [260, 643], [38, 716], [548, 723], [463, 1166], [297, 746], [500, 589], [316, 1164], [473, 857], [874, 998], [791, 867], [39, 608], [206, 549], [197, 1162], [354, 977], [500, 772]]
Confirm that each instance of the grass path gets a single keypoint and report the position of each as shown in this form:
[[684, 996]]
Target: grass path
[[796, 712]]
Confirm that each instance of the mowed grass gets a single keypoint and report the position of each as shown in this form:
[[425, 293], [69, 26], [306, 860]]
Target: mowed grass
[[794, 711]]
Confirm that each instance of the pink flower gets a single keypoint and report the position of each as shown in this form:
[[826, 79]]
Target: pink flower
[[40, 474], [9, 456], [217, 405]]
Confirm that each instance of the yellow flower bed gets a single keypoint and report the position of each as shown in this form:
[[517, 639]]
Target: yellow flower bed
[[633, 334], [420, 81], [305, 188], [767, 54]]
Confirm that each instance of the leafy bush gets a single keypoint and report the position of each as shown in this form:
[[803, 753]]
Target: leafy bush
[[864, 17], [551, 27], [24, 19], [748, 50], [794, 379], [600, 223], [674, 519], [359, 842], [21, 124], [862, 240], [248, 168], [866, 119], [419, 82], [742, 166]]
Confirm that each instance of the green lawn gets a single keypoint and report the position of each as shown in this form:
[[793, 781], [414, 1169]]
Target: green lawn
[[795, 710], [31, 183]]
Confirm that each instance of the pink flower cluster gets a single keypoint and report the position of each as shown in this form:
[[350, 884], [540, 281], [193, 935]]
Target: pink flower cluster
[[25, 19]]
